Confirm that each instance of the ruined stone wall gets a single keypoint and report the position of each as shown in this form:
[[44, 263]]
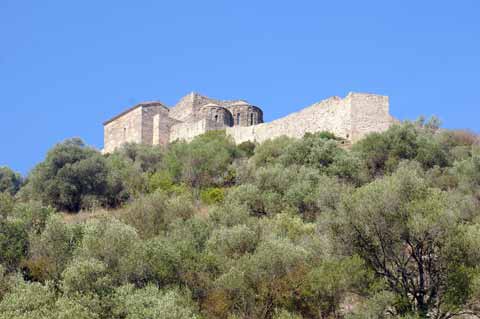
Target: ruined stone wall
[[370, 113], [152, 123], [183, 110], [331, 115], [148, 113], [125, 129], [188, 108], [244, 114], [187, 131], [161, 124], [219, 116], [350, 118]]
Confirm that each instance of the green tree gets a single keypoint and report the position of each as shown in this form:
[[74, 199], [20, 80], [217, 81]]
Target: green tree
[[70, 174], [382, 152], [408, 234], [10, 181], [269, 151], [144, 157], [328, 284], [204, 161]]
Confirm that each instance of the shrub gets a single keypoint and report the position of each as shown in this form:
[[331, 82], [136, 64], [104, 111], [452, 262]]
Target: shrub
[[269, 151], [212, 196], [312, 150], [6, 205], [13, 242], [51, 251], [28, 301], [284, 314], [382, 152], [152, 214], [33, 214], [248, 148], [67, 308], [162, 261], [85, 276], [124, 181], [328, 284], [145, 158], [116, 245], [160, 180], [202, 162], [257, 284], [232, 242], [150, 302]]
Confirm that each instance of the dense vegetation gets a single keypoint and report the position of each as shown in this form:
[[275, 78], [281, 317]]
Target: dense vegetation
[[287, 229]]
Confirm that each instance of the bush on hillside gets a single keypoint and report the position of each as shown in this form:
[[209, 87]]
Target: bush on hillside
[[10, 182], [212, 196], [304, 228]]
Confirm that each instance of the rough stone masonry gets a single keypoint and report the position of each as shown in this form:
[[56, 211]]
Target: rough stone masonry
[[153, 123]]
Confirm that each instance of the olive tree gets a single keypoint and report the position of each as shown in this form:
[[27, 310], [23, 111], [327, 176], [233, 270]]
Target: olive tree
[[10, 181], [411, 236], [71, 175]]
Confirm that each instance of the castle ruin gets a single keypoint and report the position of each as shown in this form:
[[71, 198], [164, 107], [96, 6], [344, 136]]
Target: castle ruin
[[153, 123]]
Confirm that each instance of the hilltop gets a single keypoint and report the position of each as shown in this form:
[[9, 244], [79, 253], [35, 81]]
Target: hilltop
[[287, 228]]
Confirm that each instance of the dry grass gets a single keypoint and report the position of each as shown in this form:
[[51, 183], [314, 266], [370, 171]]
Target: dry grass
[[202, 211], [83, 216]]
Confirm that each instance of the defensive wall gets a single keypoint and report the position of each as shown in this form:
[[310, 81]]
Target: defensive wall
[[350, 118], [152, 123]]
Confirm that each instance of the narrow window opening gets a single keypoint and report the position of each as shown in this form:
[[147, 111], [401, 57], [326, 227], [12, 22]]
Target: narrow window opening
[[251, 118], [238, 118], [124, 133], [216, 118]]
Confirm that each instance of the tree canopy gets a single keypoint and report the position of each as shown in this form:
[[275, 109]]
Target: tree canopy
[[286, 229]]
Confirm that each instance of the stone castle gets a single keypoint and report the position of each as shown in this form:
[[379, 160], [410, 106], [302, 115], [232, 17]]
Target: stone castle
[[154, 123]]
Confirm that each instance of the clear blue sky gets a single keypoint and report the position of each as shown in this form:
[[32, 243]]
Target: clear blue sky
[[66, 66]]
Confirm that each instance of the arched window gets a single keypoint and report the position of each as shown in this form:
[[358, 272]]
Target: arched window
[[238, 118], [251, 118], [216, 118]]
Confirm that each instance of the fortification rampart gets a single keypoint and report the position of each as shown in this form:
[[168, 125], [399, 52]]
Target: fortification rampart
[[331, 115], [152, 123], [369, 113], [350, 118], [187, 131]]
